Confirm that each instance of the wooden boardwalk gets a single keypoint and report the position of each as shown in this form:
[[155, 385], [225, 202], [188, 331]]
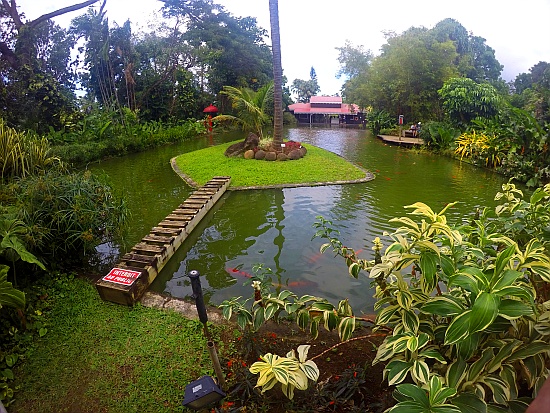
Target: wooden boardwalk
[[395, 140], [132, 276]]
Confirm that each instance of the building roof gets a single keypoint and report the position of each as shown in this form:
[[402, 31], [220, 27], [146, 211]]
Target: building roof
[[343, 109], [333, 100]]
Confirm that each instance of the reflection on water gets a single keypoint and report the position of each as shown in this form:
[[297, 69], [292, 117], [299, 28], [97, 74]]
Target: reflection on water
[[274, 227]]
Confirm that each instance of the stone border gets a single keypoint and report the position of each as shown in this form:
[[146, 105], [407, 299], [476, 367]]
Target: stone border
[[369, 176]]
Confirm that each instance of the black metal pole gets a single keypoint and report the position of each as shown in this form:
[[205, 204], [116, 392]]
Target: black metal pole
[[194, 276]]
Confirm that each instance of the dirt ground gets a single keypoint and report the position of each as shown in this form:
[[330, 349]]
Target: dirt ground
[[348, 381]]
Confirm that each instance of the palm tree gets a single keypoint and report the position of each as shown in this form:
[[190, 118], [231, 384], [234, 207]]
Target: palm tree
[[250, 107], [277, 75]]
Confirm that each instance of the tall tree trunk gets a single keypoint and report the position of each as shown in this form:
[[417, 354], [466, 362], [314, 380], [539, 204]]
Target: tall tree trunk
[[277, 75]]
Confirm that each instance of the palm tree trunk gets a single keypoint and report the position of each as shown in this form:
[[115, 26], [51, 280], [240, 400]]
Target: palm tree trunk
[[277, 75]]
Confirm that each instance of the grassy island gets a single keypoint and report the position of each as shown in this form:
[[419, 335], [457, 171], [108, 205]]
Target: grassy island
[[318, 166]]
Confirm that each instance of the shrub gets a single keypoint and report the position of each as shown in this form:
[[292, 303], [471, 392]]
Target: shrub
[[66, 215], [465, 305]]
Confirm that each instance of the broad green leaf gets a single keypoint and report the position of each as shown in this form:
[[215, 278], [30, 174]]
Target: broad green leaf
[[428, 265], [243, 319], [410, 321], [415, 393], [443, 305], [484, 311], [386, 314], [481, 278], [331, 320], [465, 281], [303, 319], [270, 310], [9, 296], [528, 350], [420, 371], [441, 396], [408, 407], [433, 354], [344, 309], [506, 279], [397, 371], [468, 346], [512, 309], [501, 392], [503, 352], [447, 265], [458, 329], [515, 291], [503, 258], [456, 373], [320, 306], [259, 318], [469, 403], [310, 369], [346, 328], [477, 367], [445, 408]]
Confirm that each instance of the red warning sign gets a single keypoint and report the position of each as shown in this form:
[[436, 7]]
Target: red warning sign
[[121, 276]]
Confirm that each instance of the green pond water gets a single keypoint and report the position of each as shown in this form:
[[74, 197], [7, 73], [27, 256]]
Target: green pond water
[[274, 226]]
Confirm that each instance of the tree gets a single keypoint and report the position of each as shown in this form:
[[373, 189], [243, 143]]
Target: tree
[[277, 75], [305, 89], [354, 60], [36, 81], [250, 107], [465, 100]]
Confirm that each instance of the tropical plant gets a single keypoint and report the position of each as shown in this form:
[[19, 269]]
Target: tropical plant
[[66, 215], [480, 148], [12, 247], [9, 296], [23, 154], [308, 311], [291, 372], [250, 107], [439, 135], [378, 120], [461, 306], [465, 100]]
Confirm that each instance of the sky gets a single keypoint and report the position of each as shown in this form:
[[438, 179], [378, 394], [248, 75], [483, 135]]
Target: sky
[[311, 30]]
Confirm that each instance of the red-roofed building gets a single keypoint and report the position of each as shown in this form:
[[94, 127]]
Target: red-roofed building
[[327, 110]]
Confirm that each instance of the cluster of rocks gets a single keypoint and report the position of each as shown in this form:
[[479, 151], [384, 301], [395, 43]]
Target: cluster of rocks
[[250, 150]]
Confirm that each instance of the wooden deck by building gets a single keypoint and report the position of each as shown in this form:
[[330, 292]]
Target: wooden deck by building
[[126, 283]]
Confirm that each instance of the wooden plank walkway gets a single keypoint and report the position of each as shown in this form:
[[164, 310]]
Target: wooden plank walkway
[[395, 140], [132, 276]]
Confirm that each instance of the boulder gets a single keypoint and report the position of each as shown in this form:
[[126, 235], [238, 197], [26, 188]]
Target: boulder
[[237, 149], [249, 154], [271, 156], [282, 157], [303, 150], [295, 154], [260, 154]]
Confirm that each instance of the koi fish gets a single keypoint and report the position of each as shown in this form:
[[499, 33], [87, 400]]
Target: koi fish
[[294, 284]]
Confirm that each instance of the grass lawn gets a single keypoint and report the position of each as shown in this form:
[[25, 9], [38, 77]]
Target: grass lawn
[[103, 357], [317, 166]]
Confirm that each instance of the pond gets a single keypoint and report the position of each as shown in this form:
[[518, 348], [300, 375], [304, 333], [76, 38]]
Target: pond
[[274, 226]]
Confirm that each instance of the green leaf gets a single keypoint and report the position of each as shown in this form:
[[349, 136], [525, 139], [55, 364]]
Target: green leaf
[[9, 296], [528, 350], [346, 328], [243, 319], [386, 314], [456, 373], [410, 321], [501, 392], [443, 305], [506, 279], [303, 319], [420, 371], [428, 265], [503, 258], [445, 408], [408, 407], [512, 309], [310, 369], [477, 366], [470, 403], [397, 371], [259, 318], [415, 393], [458, 329], [433, 354], [484, 311], [503, 352], [447, 265]]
